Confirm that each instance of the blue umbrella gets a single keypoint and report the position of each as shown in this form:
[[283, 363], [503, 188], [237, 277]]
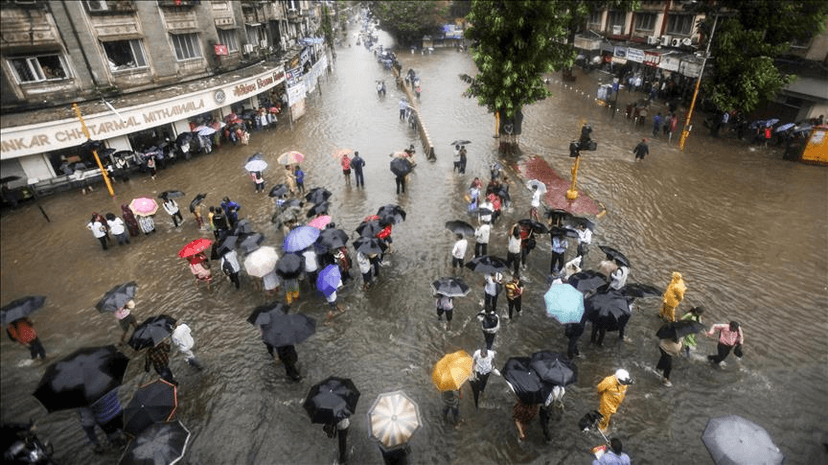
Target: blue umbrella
[[564, 303], [328, 280], [300, 238], [784, 127]]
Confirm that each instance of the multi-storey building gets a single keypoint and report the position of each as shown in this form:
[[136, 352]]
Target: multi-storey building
[[141, 71], [661, 43]]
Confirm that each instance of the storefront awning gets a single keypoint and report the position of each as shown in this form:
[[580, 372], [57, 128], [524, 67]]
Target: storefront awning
[[586, 43]]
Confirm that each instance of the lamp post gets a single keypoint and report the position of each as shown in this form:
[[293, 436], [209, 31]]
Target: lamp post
[[685, 132], [94, 152]]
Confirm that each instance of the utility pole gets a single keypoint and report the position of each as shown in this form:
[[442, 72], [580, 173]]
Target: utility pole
[[685, 131], [94, 152]]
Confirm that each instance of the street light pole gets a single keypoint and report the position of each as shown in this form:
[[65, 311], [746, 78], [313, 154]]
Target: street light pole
[[686, 129], [94, 152]]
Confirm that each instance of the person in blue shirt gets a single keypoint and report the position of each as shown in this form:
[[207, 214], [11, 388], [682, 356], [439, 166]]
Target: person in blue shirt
[[614, 455], [300, 179], [356, 164], [107, 414]]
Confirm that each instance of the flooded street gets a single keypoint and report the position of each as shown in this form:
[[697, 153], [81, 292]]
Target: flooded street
[[746, 229]]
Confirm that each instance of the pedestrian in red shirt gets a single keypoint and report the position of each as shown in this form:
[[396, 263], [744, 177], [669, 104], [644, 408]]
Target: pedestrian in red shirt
[[346, 168], [23, 332]]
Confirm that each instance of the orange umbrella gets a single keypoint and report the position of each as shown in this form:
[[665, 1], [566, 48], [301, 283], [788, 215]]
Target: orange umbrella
[[197, 246], [452, 371], [342, 152]]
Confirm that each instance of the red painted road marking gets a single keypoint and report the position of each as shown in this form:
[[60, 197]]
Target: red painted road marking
[[556, 187]]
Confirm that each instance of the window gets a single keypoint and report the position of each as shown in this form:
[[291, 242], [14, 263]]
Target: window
[[186, 46], [645, 21], [39, 68], [125, 54], [255, 34], [595, 18], [228, 38], [681, 25], [617, 18]]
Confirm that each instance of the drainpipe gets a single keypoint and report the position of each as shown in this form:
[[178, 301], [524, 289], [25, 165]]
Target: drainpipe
[[77, 39], [665, 17]]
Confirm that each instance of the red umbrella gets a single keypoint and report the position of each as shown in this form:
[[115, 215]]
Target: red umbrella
[[199, 245]]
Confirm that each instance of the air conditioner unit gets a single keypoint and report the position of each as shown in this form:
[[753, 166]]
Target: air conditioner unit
[[617, 29], [687, 41], [676, 42], [97, 5], [652, 40], [248, 48], [263, 44], [665, 40]]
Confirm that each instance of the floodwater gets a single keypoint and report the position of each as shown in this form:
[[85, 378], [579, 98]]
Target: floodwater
[[746, 229]]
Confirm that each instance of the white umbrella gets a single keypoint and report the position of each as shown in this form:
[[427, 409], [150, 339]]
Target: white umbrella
[[535, 182], [206, 131], [261, 261], [255, 165], [393, 419]]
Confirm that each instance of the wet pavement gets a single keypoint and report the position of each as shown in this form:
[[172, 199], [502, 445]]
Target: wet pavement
[[746, 229]]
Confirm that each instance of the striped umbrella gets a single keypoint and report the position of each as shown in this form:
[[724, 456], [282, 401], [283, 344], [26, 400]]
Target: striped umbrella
[[393, 419]]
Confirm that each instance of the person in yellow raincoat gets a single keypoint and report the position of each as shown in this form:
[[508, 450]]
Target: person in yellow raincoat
[[672, 297], [612, 390]]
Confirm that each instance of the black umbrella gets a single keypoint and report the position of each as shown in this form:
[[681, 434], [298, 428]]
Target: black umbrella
[[317, 195], [641, 290], [81, 378], [609, 309], [565, 232], [91, 145], [173, 194], [369, 245], [525, 381], [21, 308], [460, 227], [151, 332], [196, 201], [393, 214], [243, 227], [534, 225], [292, 203], [261, 314], [503, 193], [450, 287], [615, 255], [733, 440], [255, 156], [318, 209], [287, 215], [278, 190], [152, 403], [287, 329], [557, 213], [227, 244], [400, 167], [123, 154], [554, 368], [331, 401], [6, 179], [461, 142], [486, 264], [369, 228], [161, 443], [577, 220], [290, 266], [106, 152], [117, 297], [679, 329], [587, 280], [184, 138], [251, 242], [332, 238], [248, 114]]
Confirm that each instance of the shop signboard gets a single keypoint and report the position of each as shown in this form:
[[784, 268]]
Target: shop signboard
[[635, 55], [620, 52], [670, 63], [690, 68], [652, 59]]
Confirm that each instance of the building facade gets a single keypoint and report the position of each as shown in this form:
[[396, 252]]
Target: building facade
[[142, 71]]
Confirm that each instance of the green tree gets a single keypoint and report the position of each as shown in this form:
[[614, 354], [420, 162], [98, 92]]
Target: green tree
[[513, 44], [408, 21], [747, 40], [326, 28]]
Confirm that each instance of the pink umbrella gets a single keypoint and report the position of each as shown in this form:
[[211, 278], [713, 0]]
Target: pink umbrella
[[320, 222], [143, 206], [290, 158]]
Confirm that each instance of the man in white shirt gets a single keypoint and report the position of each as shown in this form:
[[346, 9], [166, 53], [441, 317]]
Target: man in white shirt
[[536, 196], [481, 236], [483, 360], [559, 245], [183, 340], [311, 265], [584, 239], [458, 252]]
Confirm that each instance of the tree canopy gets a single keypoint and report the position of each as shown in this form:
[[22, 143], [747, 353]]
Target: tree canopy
[[513, 44], [408, 21], [748, 38]]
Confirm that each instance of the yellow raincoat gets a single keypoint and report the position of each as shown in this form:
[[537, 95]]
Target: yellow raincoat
[[612, 394], [673, 297]]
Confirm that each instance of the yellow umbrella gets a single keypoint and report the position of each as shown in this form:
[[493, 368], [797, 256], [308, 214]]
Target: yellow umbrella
[[452, 371]]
